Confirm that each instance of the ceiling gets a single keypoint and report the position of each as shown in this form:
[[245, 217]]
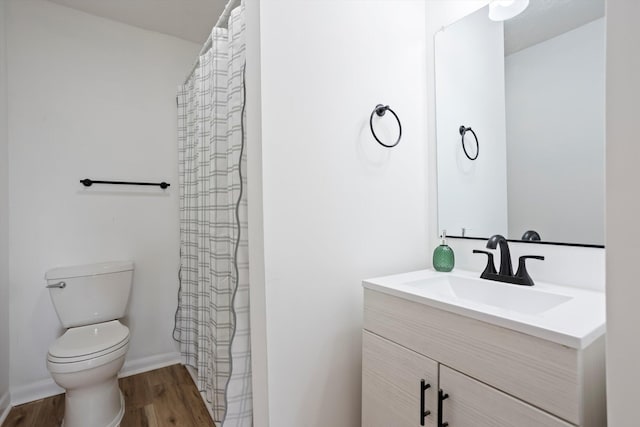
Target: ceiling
[[193, 19], [545, 19], [186, 19]]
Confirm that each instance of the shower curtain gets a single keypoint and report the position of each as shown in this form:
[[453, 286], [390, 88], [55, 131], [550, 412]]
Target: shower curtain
[[212, 320]]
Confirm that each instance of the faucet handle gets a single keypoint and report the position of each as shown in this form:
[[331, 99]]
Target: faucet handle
[[490, 268], [522, 272]]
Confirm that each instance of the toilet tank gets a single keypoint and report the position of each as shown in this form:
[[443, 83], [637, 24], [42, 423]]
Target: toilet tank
[[92, 293]]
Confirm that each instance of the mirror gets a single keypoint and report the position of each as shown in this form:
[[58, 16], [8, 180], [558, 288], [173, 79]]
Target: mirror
[[532, 91]]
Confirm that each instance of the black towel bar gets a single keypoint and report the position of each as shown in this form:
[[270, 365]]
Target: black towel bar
[[89, 182]]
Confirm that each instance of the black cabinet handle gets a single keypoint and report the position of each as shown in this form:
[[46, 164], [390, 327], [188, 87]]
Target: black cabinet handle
[[423, 412], [441, 396]]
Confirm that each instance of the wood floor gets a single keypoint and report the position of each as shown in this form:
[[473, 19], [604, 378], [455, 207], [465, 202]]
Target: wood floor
[[165, 397]]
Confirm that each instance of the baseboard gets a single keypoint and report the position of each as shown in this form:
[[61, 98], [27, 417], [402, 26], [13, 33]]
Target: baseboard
[[34, 391], [5, 406], [47, 388], [144, 364], [193, 373]]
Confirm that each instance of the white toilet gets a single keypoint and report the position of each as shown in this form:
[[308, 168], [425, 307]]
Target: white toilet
[[85, 360]]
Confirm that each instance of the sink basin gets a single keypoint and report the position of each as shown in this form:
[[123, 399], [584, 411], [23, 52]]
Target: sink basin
[[495, 294], [566, 315]]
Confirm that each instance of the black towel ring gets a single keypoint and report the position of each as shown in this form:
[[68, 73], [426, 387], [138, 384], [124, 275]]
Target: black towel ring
[[380, 110], [464, 130]]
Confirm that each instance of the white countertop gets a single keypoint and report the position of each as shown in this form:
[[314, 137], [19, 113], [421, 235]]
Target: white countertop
[[575, 323]]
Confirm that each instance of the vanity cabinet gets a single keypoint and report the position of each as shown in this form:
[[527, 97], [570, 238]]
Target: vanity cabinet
[[490, 376]]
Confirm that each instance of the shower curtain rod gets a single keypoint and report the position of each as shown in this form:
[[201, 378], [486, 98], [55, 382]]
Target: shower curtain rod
[[223, 20]]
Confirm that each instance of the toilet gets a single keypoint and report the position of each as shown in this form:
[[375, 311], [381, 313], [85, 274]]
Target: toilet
[[86, 359]]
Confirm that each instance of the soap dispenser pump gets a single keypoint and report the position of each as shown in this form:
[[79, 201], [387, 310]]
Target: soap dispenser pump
[[443, 259]]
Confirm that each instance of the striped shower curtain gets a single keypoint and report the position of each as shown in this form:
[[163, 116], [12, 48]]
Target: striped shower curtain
[[212, 320]]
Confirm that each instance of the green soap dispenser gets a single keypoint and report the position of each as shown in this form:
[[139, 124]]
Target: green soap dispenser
[[443, 259]]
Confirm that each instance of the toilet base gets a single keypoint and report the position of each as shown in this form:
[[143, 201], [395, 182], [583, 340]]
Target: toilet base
[[93, 397], [116, 420]]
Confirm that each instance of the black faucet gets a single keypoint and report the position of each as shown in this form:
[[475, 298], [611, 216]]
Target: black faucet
[[506, 270], [505, 254]]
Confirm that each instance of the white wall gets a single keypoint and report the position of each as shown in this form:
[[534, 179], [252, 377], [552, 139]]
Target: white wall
[[338, 207], [623, 211], [470, 88], [555, 105], [258, 315], [4, 223], [89, 97]]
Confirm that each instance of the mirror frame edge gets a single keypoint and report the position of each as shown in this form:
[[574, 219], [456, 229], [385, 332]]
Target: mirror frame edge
[[537, 242]]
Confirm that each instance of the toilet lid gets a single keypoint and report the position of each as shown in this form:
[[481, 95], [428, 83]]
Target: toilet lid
[[89, 339]]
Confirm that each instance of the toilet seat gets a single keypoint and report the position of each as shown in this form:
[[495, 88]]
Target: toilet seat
[[96, 344]]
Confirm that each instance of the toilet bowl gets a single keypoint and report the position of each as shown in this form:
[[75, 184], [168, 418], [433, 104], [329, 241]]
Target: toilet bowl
[[85, 362], [86, 359]]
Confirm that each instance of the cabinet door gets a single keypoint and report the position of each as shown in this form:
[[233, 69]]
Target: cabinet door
[[397, 384], [474, 404]]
